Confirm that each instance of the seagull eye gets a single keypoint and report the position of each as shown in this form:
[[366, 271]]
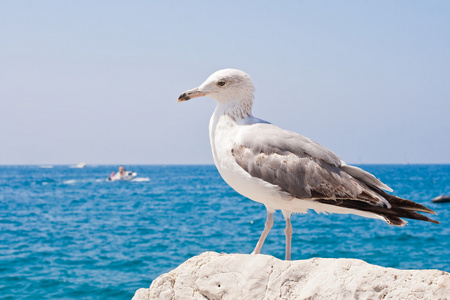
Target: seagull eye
[[221, 83]]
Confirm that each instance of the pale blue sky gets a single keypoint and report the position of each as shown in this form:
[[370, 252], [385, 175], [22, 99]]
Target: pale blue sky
[[98, 81]]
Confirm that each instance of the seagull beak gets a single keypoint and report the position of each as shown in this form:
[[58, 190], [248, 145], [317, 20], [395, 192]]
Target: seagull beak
[[194, 93]]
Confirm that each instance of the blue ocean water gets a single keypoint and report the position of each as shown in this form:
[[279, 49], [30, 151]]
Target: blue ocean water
[[67, 233]]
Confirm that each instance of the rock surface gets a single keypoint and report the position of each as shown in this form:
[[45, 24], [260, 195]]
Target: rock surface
[[244, 276]]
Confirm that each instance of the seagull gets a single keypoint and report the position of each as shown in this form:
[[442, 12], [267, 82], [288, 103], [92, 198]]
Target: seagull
[[286, 171]]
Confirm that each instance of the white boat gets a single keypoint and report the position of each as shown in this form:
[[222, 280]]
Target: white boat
[[128, 176]]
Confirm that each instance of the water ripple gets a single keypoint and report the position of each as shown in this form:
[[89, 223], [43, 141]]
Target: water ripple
[[67, 233]]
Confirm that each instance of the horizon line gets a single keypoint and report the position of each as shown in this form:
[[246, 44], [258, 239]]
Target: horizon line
[[195, 164]]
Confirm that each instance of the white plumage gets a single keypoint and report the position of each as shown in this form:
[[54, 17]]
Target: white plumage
[[284, 170]]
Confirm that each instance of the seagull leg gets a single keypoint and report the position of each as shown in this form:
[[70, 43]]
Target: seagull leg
[[267, 227], [288, 232]]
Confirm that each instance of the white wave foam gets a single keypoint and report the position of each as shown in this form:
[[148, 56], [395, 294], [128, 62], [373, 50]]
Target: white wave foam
[[141, 179]]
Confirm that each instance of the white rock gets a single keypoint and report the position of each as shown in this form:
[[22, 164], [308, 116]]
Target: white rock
[[244, 276]]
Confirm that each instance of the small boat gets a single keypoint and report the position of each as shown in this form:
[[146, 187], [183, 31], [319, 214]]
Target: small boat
[[127, 176], [80, 165], [441, 199]]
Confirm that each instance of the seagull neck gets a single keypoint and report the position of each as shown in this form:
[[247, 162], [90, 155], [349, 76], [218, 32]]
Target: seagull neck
[[237, 109]]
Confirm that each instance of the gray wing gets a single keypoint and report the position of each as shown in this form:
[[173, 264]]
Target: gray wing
[[307, 170], [302, 167]]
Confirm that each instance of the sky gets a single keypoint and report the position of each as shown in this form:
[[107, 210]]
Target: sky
[[98, 81]]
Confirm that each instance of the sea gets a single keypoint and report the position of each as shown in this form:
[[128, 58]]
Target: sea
[[68, 233]]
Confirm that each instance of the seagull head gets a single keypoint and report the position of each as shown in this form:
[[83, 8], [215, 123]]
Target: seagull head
[[227, 85]]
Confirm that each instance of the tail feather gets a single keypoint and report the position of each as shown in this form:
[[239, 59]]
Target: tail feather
[[392, 215], [405, 203], [395, 221], [400, 208]]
